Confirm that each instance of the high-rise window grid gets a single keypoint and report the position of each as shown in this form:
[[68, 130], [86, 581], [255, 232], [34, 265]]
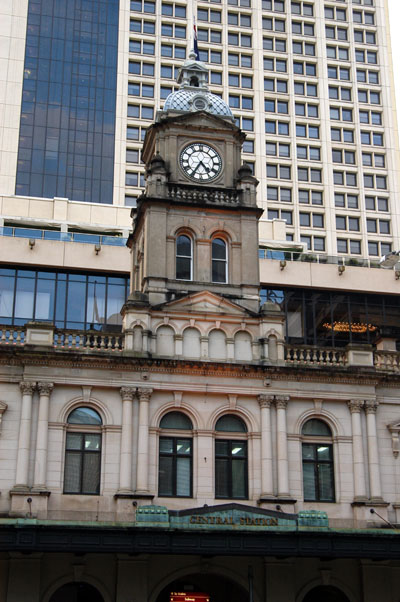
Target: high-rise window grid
[[292, 63]]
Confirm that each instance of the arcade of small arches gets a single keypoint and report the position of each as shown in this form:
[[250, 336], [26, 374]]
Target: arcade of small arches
[[192, 342]]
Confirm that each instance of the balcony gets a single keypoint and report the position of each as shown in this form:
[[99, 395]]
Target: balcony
[[44, 335]]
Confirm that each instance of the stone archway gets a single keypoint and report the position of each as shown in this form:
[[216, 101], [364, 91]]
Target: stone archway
[[327, 593], [76, 592], [218, 587]]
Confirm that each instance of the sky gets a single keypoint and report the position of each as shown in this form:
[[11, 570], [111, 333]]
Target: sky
[[394, 17]]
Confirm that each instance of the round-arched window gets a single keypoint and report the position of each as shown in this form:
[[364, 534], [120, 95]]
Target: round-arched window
[[184, 257], [175, 461], [316, 428], [318, 468], [176, 420], [230, 424], [219, 260], [231, 480], [84, 415], [83, 452]]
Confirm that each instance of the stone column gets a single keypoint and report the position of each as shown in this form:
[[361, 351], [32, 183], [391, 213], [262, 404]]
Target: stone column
[[355, 406], [281, 402], [267, 485], [125, 465], [142, 475], [24, 439], [373, 456], [39, 480]]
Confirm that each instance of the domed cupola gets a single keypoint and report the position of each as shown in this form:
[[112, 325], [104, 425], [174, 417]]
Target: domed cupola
[[193, 94]]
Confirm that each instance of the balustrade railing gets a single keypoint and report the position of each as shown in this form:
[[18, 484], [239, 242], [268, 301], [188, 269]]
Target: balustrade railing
[[81, 340], [387, 360], [12, 335], [228, 196], [307, 355]]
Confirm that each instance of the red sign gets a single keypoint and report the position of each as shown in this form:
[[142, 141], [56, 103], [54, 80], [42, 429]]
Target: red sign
[[188, 597]]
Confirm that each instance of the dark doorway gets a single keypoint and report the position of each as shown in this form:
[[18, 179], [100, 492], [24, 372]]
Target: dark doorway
[[217, 587], [325, 593], [76, 592]]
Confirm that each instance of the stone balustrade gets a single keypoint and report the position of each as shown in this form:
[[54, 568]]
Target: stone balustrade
[[387, 360], [215, 196], [294, 355], [308, 355]]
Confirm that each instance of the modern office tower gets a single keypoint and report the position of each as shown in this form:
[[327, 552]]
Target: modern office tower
[[310, 82]]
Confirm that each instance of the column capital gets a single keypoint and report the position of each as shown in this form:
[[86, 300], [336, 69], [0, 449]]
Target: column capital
[[127, 393], [27, 387], [355, 405], [371, 405], [45, 388], [281, 401], [144, 394], [265, 401]]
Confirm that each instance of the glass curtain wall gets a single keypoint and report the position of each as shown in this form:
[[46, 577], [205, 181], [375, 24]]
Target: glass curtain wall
[[67, 299], [335, 318], [67, 130]]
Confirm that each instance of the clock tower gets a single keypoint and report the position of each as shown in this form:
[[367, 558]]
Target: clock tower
[[195, 228]]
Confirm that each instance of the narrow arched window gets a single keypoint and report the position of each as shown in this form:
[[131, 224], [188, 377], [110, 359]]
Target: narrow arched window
[[231, 480], [83, 452], [184, 258], [175, 466], [219, 260], [318, 469]]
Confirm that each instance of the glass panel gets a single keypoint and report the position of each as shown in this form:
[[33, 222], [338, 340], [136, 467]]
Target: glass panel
[[221, 448], [183, 446], [239, 479], [230, 423], [218, 249], [316, 427], [24, 298], [166, 445], [219, 271], [74, 440], [308, 451], [72, 474], [184, 246], [324, 452], [238, 449], [165, 475], [221, 478], [91, 473], [183, 271], [325, 474], [44, 299], [309, 482], [92, 442], [183, 480], [84, 415], [176, 420]]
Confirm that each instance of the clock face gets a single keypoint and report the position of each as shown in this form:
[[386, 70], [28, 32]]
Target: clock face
[[200, 162]]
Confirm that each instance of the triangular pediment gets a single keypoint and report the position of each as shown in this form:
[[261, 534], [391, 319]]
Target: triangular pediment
[[206, 302]]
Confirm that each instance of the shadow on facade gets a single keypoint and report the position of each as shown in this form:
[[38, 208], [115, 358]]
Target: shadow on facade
[[327, 593], [76, 592]]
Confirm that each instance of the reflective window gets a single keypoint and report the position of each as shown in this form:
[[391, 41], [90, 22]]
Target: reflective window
[[67, 299], [66, 144], [318, 475], [183, 258], [219, 261]]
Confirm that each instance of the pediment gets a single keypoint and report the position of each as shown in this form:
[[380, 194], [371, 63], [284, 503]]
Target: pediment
[[394, 426], [206, 302]]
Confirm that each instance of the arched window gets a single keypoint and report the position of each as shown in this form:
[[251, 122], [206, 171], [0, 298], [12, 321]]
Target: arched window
[[231, 480], [318, 470], [184, 258], [219, 261], [175, 465], [217, 344], [243, 351], [83, 452]]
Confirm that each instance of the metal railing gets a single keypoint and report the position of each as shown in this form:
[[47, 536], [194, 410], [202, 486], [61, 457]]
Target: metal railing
[[57, 235], [317, 258]]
